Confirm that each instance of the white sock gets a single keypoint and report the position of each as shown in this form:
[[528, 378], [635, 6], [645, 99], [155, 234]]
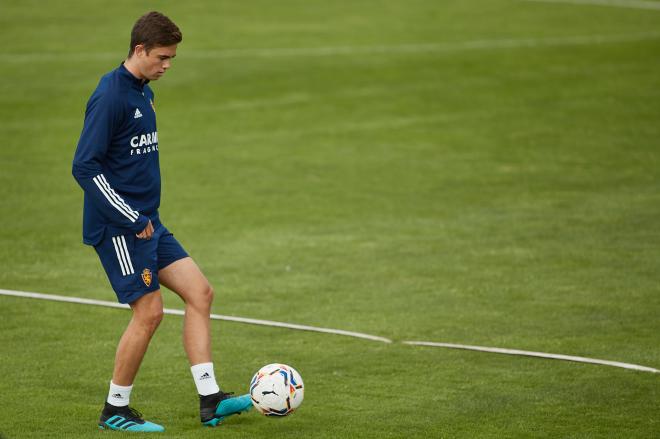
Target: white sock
[[119, 396], [204, 379]]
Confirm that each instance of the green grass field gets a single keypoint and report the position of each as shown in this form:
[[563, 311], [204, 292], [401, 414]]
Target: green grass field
[[482, 172]]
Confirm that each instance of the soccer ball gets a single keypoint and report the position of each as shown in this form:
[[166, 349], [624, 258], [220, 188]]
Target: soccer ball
[[277, 390]]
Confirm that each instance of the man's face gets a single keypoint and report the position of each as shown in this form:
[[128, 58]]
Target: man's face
[[153, 65]]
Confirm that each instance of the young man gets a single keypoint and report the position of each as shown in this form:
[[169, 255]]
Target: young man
[[116, 164]]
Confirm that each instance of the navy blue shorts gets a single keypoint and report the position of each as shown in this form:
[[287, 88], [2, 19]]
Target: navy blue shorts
[[132, 263]]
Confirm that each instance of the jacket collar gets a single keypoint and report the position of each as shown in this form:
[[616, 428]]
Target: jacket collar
[[128, 76]]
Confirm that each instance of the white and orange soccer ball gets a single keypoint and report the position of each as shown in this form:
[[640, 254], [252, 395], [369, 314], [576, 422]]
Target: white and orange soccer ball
[[277, 390]]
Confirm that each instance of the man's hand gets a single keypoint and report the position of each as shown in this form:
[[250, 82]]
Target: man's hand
[[147, 232]]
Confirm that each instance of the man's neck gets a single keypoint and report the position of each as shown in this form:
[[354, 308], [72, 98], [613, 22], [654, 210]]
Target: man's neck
[[132, 68]]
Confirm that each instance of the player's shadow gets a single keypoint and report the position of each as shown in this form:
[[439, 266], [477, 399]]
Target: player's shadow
[[249, 418]]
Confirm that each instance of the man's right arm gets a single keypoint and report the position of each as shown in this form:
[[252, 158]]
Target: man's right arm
[[102, 117]]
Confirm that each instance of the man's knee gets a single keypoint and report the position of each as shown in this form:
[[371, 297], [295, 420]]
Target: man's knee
[[148, 310], [207, 295], [150, 318], [202, 298]]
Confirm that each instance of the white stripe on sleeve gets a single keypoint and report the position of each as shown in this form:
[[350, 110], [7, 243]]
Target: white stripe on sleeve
[[131, 215], [116, 196]]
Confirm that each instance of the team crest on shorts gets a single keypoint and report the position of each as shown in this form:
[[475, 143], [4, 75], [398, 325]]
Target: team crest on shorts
[[146, 276]]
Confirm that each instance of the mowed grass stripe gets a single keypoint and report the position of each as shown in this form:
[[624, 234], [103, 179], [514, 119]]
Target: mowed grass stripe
[[628, 4], [442, 47]]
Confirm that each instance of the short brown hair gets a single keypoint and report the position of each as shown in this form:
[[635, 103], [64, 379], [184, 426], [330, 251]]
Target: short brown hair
[[154, 29]]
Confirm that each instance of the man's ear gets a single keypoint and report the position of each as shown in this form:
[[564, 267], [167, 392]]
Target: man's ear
[[139, 50]]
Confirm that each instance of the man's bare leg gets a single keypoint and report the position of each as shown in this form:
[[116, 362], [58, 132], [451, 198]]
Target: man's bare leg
[[147, 315], [186, 279], [116, 414]]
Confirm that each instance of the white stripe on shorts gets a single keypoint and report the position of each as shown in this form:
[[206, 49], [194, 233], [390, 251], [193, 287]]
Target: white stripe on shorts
[[123, 256], [121, 262], [128, 256]]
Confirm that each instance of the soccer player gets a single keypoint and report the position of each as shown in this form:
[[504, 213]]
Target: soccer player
[[116, 164]]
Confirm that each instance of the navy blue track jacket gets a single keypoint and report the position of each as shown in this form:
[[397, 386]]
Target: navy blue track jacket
[[116, 162]]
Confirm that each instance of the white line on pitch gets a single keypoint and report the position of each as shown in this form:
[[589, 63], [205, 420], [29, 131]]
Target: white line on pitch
[[179, 312], [535, 354], [630, 4], [446, 47], [80, 300]]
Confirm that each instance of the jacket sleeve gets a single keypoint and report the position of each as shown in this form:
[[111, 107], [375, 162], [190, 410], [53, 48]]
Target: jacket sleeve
[[102, 116]]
